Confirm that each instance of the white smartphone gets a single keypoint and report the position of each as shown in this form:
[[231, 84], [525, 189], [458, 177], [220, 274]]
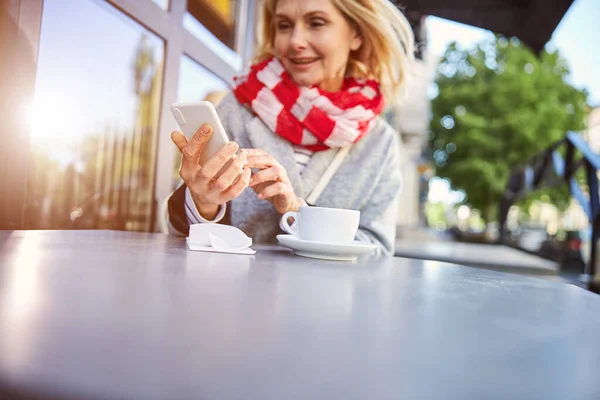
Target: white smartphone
[[191, 116]]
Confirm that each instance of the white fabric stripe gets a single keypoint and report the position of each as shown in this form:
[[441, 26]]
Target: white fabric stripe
[[302, 153], [276, 66], [308, 138], [368, 92], [301, 109], [309, 93], [342, 135], [326, 105], [194, 216], [267, 107], [267, 77], [358, 113], [303, 150], [302, 157], [304, 103], [271, 74]]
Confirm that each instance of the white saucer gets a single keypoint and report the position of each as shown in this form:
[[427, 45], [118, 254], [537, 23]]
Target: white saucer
[[326, 251]]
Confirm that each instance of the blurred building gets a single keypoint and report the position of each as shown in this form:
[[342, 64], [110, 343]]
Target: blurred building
[[410, 117]]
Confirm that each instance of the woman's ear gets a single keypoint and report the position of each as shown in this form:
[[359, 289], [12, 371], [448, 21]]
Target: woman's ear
[[357, 41]]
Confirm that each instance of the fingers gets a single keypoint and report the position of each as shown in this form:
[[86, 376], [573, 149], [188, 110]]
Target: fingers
[[194, 147], [212, 167], [258, 158], [179, 139], [260, 187], [254, 152], [242, 183], [261, 161], [232, 172], [266, 175], [275, 189]]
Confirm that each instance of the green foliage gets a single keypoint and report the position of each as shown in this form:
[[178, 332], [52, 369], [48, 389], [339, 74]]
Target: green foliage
[[436, 214], [498, 105]]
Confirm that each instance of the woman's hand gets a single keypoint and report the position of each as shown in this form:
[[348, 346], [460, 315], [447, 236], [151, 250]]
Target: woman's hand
[[210, 188], [271, 183]]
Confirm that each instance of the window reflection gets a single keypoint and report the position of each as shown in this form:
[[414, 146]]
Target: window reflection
[[217, 16], [94, 120], [195, 83]]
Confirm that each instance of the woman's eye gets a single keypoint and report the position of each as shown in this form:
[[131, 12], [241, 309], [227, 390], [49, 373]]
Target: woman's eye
[[283, 27], [317, 23]]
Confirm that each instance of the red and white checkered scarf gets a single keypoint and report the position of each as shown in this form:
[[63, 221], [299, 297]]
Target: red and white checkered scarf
[[308, 116]]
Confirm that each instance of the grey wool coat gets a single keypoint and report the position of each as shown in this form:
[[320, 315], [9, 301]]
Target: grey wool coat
[[368, 180]]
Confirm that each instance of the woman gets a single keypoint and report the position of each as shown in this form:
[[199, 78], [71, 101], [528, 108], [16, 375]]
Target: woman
[[317, 86]]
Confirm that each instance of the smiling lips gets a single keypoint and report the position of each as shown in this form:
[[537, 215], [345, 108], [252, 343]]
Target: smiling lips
[[303, 62]]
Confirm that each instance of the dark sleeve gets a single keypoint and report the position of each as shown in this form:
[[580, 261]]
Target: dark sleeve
[[177, 215], [176, 210]]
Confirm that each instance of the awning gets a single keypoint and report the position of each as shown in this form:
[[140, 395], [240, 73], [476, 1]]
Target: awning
[[532, 21]]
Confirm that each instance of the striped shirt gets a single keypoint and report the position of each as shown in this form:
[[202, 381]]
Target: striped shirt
[[302, 157]]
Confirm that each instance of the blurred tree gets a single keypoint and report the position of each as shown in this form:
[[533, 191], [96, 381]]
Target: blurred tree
[[138, 202], [498, 105]]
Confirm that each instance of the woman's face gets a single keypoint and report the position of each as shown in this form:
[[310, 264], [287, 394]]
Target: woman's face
[[313, 41]]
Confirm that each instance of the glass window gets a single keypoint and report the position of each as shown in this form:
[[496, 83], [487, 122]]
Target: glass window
[[195, 83], [94, 119]]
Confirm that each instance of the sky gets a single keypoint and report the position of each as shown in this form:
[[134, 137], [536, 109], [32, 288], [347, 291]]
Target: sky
[[577, 38]]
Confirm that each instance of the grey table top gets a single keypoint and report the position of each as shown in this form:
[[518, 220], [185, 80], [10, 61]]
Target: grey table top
[[116, 315], [490, 256]]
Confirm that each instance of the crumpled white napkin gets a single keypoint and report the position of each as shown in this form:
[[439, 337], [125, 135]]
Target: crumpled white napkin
[[218, 238]]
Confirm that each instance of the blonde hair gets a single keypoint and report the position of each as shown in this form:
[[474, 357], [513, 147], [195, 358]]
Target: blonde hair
[[387, 50]]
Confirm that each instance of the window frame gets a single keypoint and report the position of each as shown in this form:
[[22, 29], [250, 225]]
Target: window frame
[[167, 25]]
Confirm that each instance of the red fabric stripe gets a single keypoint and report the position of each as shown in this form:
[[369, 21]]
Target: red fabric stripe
[[288, 127], [287, 93], [316, 147], [247, 92], [319, 123]]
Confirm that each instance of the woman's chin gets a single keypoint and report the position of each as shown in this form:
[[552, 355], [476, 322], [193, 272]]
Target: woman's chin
[[305, 80]]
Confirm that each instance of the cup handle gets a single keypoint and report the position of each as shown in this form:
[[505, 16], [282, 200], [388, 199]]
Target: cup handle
[[286, 226]]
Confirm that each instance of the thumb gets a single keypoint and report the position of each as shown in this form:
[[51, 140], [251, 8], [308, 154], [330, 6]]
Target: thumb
[[179, 139]]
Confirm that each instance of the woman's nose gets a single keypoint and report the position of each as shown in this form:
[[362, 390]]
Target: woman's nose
[[298, 38]]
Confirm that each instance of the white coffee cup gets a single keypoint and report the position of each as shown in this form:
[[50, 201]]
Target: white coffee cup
[[320, 224]]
